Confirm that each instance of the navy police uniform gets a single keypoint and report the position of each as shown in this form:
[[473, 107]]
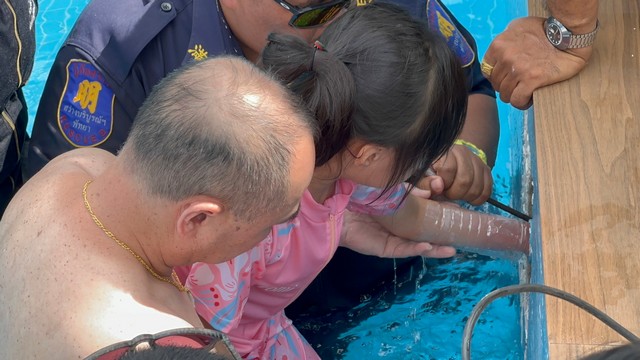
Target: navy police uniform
[[17, 50], [114, 55], [117, 52]]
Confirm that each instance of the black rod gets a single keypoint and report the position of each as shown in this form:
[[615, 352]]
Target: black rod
[[509, 209]]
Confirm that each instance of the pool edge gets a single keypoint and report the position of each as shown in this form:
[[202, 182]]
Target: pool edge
[[536, 341]]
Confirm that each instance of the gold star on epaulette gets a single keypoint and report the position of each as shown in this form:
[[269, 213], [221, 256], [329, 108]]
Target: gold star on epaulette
[[198, 52]]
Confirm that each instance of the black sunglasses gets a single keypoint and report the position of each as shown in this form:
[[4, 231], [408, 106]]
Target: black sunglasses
[[314, 15], [212, 341]]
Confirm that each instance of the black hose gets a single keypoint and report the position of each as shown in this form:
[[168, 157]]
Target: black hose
[[515, 289]]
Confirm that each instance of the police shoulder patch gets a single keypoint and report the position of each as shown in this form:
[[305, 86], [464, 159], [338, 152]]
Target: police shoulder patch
[[440, 21], [85, 110]]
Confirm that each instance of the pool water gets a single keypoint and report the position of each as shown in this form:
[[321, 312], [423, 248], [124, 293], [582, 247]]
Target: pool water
[[422, 314], [55, 20]]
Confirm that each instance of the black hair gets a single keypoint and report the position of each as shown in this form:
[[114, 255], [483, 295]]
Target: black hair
[[324, 83], [384, 78]]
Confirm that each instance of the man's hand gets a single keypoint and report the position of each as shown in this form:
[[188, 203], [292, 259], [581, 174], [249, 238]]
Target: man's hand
[[524, 60], [363, 234], [430, 187], [464, 175]]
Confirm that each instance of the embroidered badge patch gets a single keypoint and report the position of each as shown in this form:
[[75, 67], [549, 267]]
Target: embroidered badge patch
[[85, 111], [441, 22]]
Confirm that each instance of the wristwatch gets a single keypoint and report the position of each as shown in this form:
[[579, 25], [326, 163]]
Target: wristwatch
[[560, 37]]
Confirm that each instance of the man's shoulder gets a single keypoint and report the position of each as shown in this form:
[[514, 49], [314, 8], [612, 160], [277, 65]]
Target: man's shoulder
[[125, 17], [52, 183], [440, 20], [113, 33], [87, 161]]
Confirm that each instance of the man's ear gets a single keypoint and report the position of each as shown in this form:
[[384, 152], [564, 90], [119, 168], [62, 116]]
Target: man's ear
[[194, 213]]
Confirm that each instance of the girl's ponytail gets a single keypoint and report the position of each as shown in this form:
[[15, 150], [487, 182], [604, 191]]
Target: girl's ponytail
[[322, 80]]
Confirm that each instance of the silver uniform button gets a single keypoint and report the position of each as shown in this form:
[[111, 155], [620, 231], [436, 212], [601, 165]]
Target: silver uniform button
[[166, 6]]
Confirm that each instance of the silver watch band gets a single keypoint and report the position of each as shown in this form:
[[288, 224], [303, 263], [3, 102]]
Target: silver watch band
[[583, 40]]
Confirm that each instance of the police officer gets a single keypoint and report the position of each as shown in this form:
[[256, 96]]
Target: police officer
[[17, 49], [118, 50]]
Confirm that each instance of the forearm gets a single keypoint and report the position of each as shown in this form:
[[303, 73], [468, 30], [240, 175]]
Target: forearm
[[443, 223], [482, 127], [579, 16], [447, 224], [405, 222]]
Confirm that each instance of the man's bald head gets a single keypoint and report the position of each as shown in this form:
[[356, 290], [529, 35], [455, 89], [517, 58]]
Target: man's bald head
[[219, 127]]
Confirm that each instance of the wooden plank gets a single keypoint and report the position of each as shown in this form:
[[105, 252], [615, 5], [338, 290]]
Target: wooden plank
[[587, 133]]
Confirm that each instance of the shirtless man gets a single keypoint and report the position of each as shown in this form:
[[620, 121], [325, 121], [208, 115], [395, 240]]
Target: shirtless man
[[219, 153]]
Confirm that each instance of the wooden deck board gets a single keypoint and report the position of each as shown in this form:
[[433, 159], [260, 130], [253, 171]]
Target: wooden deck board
[[587, 134]]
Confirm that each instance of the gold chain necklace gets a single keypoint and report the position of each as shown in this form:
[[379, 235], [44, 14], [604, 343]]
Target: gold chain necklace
[[173, 279]]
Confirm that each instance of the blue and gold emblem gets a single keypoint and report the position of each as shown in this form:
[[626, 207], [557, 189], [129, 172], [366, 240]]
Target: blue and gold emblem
[[441, 22], [85, 111]]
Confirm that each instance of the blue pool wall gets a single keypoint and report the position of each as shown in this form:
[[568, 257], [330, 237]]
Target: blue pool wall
[[486, 19], [516, 163]]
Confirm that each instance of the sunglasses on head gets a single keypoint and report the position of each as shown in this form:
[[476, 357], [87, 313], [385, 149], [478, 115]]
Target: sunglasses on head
[[212, 341], [314, 15]]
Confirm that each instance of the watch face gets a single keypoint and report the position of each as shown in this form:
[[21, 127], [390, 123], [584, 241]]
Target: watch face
[[554, 34]]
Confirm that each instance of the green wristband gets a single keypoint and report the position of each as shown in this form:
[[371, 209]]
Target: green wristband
[[474, 149]]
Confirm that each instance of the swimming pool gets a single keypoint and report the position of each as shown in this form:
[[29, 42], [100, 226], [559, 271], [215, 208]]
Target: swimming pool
[[55, 20], [422, 315]]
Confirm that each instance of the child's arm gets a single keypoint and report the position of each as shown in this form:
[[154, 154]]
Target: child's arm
[[362, 233], [444, 223]]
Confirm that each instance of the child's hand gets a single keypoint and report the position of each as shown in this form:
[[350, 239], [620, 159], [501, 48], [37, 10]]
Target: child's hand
[[365, 235]]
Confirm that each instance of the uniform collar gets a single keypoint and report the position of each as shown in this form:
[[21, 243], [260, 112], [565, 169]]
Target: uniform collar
[[210, 34]]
